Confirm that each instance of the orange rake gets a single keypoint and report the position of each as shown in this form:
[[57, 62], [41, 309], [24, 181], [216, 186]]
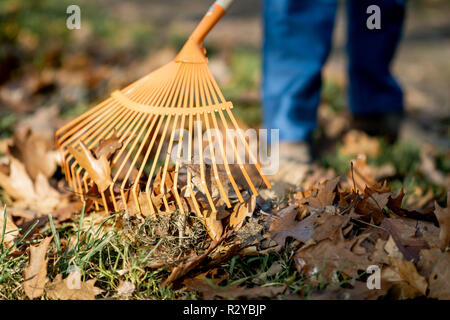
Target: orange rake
[[115, 149]]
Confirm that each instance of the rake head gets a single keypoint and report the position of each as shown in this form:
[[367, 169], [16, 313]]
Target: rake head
[[143, 148]]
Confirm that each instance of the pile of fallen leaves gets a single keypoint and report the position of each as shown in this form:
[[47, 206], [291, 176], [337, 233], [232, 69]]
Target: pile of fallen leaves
[[28, 172], [345, 226], [335, 228]]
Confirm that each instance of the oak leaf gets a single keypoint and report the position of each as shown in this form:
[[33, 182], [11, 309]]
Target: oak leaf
[[108, 146], [434, 265], [38, 195], [410, 236], [329, 227], [287, 226], [99, 169], [18, 184], [327, 257], [36, 271], [407, 281], [72, 288], [322, 194], [372, 206], [33, 142], [36, 153]]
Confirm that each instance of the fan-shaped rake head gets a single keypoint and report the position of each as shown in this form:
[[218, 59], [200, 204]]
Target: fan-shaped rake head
[[143, 148]]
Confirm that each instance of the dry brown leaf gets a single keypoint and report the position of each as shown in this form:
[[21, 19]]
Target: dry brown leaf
[[410, 236], [72, 288], [33, 142], [36, 153], [395, 203], [287, 226], [372, 206], [328, 256], [320, 195], [362, 176], [405, 277], [47, 198], [107, 147], [18, 184], [316, 175], [125, 288], [443, 217], [211, 183], [392, 249], [11, 230], [424, 218], [383, 250], [98, 169], [36, 272], [65, 210], [434, 265], [329, 227], [242, 211], [213, 225], [379, 253], [143, 205], [357, 142], [38, 196], [42, 123]]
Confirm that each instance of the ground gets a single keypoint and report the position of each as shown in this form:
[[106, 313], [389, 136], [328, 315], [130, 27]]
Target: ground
[[49, 75]]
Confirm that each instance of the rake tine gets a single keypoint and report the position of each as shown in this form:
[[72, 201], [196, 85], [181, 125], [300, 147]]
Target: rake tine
[[200, 144], [180, 93]]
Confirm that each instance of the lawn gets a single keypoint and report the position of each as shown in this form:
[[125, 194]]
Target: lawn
[[363, 202]]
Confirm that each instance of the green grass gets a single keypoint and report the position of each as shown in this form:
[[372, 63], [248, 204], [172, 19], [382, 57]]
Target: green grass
[[11, 264], [101, 251], [248, 271], [7, 122], [333, 95]]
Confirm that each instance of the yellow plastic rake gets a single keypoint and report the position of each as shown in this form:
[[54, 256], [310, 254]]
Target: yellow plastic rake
[[144, 118]]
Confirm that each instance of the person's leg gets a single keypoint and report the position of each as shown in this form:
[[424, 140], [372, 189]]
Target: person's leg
[[373, 90], [297, 40]]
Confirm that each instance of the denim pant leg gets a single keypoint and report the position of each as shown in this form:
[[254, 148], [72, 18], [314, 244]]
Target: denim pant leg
[[297, 40], [372, 88]]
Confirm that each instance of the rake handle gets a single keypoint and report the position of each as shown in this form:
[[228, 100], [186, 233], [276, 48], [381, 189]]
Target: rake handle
[[215, 12]]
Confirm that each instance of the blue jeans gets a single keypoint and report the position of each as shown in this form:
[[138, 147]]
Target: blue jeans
[[297, 41]]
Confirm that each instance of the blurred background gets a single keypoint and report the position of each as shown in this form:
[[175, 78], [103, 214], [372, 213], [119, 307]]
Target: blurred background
[[43, 64]]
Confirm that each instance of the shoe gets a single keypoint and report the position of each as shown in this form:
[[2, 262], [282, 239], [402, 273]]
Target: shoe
[[294, 163], [386, 125]]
